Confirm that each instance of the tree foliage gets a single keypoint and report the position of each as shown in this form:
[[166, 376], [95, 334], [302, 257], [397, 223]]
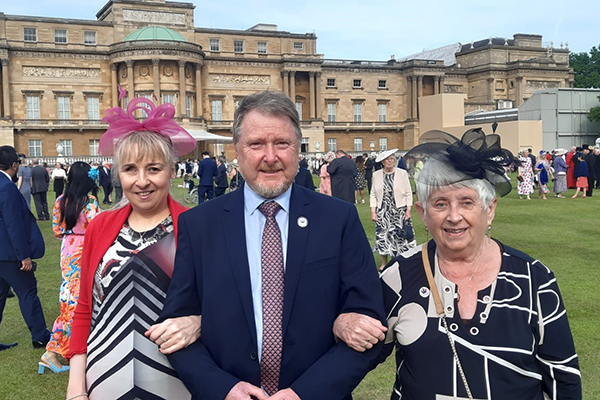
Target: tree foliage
[[594, 114], [587, 68]]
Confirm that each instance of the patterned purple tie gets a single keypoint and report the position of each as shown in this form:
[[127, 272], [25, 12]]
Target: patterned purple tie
[[272, 298]]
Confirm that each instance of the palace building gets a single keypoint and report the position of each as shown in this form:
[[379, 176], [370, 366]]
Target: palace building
[[59, 76]]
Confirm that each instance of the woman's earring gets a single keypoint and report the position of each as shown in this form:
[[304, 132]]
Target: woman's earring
[[427, 232], [489, 231]]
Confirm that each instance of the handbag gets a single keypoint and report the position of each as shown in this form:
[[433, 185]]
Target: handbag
[[520, 178]]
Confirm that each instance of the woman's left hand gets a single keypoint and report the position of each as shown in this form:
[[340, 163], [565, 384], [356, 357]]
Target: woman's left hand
[[407, 215], [175, 333]]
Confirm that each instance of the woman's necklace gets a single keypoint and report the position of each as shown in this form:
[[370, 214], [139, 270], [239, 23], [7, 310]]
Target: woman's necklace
[[445, 273]]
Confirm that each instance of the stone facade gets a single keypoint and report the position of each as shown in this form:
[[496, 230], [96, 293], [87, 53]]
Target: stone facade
[[51, 63]]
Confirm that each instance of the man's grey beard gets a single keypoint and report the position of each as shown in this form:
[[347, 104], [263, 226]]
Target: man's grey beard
[[270, 192]]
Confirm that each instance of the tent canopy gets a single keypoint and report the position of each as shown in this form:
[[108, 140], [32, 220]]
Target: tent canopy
[[202, 135]]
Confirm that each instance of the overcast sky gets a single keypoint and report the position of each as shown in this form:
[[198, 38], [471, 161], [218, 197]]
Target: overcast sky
[[362, 30]]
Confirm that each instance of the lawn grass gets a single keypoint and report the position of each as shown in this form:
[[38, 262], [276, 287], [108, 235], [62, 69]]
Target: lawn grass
[[562, 233]]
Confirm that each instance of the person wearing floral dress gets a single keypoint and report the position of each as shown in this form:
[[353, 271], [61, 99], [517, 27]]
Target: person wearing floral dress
[[525, 185], [71, 216]]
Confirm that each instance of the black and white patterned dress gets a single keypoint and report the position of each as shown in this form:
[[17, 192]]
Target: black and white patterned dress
[[517, 346], [393, 233], [130, 287]]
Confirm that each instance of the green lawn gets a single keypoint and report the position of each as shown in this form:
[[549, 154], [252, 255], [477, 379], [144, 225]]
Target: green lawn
[[563, 233]]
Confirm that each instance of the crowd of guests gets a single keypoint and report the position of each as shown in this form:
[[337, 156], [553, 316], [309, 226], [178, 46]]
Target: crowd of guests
[[148, 300], [577, 169]]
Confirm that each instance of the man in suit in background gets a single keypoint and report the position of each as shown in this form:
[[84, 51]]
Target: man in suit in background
[[207, 170], [39, 189], [221, 179], [105, 179], [278, 265], [20, 242], [342, 171], [368, 170]]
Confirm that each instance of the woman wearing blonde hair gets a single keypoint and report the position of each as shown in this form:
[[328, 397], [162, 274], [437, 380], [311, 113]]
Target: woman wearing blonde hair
[[325, 185], [127, 265]]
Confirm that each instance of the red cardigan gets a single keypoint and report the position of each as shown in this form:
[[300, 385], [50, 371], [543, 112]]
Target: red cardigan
[[100, 235]]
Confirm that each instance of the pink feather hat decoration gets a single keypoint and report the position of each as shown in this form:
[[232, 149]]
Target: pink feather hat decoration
[[159, 120]]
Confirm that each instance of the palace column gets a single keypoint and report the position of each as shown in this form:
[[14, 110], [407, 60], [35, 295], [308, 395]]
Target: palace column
[[413, 94], [114, 85], [293, 86], [156, 77], [318, 96], [419, 94], [286, 82], [181, 110], [130, 82], [198, 90], [5, 88], [311, 86], [408, 99], [441, 83], [490, 91], [519, 98], [436, 85]]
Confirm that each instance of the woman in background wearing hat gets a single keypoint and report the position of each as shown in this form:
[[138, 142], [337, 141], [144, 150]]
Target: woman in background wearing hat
[[544, 174], [391, 203], [560, 173], [525, 177], [469, 317], [325, 185]]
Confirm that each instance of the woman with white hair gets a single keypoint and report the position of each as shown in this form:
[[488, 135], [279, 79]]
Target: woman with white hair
[[470, 317], [325, 185], [560, 173], [391, 203]]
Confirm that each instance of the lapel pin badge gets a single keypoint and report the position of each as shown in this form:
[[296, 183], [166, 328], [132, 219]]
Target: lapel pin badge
[[302, 222]]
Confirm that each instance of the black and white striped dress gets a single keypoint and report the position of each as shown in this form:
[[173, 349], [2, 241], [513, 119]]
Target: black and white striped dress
[[130, 286]]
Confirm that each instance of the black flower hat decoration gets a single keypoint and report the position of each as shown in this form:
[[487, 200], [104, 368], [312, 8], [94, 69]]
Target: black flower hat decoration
[[474, 156]]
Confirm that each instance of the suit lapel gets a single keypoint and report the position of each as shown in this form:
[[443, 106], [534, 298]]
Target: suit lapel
[[235, 234], [296, 249]]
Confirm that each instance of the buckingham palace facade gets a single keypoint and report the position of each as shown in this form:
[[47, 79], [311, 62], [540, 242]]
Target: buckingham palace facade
[[59, 75]]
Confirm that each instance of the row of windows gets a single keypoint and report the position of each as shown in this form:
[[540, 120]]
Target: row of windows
[[93, 106], [35, 147], [358, 144], [357, 83], [214, 45], [63, 108], [60, 36], [357, 109]]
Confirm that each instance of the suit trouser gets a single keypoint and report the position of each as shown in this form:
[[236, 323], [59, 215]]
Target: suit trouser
[[41, 204], [220, 191], [107, 188], [591, 185], [25, 287], [204, 193], [369, 178]]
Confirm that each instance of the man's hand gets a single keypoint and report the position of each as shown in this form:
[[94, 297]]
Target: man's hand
[[26, 264], [285, 394], [246, 391], [175, 333], [360, 332]]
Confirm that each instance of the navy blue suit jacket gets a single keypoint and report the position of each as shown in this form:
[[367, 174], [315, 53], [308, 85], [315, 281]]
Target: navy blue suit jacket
[[329, 270], [104, 178], [20, 237], [221, 178], [207, 170]]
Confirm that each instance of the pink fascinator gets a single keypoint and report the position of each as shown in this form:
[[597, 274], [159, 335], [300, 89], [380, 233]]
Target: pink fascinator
[[159, 120]]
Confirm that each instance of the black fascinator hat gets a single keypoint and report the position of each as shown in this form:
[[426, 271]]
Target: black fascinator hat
[[474, 156]]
